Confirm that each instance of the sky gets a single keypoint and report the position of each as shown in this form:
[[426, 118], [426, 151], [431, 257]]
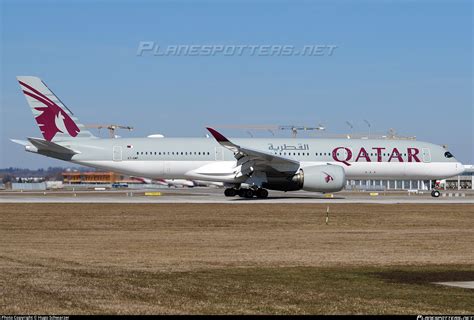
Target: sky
[[405, 65]]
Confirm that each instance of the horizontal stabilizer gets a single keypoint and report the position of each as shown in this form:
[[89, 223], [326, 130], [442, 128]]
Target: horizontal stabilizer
[[44, 145], [20, 142]]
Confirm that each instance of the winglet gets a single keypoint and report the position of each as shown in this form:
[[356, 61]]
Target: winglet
[[218, 136], [223, 141]]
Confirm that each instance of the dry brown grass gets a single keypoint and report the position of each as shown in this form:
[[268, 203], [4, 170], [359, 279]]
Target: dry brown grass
[[262, 258]]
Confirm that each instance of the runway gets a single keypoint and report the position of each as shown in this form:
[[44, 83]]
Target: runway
[[212, 195]]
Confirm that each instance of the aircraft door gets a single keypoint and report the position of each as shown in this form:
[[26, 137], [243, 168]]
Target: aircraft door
[[219, 153], [426, 155], [167, 169], [117, 153]]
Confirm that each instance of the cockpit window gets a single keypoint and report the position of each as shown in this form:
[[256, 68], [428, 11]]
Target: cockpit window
[[448, 154]]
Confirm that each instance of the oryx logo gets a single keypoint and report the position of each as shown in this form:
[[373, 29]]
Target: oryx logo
[[52, 119], [328, 177]]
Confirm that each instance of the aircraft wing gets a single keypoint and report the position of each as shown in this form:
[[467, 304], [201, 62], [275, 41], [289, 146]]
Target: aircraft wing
[[256, 160]]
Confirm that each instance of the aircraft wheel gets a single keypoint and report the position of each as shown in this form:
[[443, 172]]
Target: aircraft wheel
[[230, 192], [241, 192], [262, 193], [435, 193], [249, 193]]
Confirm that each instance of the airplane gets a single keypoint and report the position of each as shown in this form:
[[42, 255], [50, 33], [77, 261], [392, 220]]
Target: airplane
[[181, 183], [177, 183], [166, 182], [247, 167]]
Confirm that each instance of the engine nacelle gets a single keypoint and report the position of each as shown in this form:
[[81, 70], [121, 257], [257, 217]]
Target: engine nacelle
[[324, 178]]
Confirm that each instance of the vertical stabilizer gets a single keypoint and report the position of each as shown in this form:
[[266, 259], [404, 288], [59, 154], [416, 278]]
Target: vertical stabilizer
[[54, 119]]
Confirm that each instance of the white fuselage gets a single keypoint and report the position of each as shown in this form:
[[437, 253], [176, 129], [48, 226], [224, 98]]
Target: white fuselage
[[204, 159]]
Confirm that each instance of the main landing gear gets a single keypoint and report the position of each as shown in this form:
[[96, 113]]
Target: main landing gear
[[435, 193], [246, 193]]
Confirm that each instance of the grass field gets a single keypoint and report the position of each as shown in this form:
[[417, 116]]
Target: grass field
[[197, 258]]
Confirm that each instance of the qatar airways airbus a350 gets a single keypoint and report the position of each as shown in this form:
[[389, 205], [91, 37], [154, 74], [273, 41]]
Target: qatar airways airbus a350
[[247, 167]]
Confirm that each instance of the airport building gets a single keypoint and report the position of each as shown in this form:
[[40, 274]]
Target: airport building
[[96, 177], [90, 177], [461, 182]]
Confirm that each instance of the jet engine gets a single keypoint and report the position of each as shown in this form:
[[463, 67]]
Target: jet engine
[[324, 178]]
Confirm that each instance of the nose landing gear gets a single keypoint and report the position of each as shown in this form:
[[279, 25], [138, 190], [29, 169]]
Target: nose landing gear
[[435, 193]]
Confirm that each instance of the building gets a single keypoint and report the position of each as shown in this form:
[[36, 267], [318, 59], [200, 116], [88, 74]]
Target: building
[[462, 182], [97, 177], [90, 177]]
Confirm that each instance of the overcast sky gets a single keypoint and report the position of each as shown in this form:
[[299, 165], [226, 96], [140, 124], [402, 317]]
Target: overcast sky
[[399, 64]]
